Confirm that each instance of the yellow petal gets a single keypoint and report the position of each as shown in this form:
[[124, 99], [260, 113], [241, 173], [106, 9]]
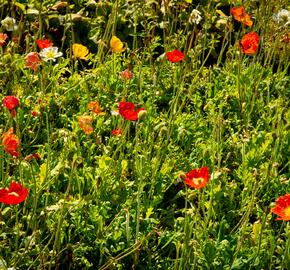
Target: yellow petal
[[116, 45], [80, 51]]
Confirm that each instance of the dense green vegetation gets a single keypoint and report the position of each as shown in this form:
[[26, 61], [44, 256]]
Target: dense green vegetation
[[109, 187]]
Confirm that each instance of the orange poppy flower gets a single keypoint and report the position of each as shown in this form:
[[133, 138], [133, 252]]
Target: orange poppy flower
[[3, 38], [11, 142], [282, 207], [85, 123], [117, 132], [95, 107], [126, 74], [249, 43], [197, 178], [240, 15]]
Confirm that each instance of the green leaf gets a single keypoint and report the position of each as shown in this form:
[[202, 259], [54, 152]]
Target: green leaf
[[42, 173], [21, 6], [124, 165], [104, 162], [149, 212]]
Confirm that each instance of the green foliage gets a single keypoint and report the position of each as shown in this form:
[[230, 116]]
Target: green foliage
[[98, 201]]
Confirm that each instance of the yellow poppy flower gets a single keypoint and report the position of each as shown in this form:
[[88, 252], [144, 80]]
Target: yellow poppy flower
[[116, 45], [80, 51]]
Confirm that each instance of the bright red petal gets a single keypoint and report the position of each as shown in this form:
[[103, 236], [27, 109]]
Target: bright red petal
[[14, 195]]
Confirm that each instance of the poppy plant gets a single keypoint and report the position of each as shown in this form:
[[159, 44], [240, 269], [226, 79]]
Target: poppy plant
[[249, 43], [11, 103], [44, 43], [285, 38], [283, 16], [197, 178], [32, 60], [95, 107], [3, 38], [240, 15], [116, 45], [50, 53], [35, 113], [9, 24], [80, 51], [175, 56], [127, 110], [85, 123], [282, 207], [117, 132], [32, 156], [126, 74], [15, 194], [11, 143]]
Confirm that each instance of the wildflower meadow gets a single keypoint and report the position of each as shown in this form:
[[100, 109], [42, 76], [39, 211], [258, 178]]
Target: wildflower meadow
[[144, 134]]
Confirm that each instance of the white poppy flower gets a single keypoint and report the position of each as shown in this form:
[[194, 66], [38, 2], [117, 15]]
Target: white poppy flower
[[283, 16], [195, 17], [50, 53], [9, 24]]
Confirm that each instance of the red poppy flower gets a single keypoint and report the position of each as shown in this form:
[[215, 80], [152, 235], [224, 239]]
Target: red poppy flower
[[10, 102], [32, 60], [36, 155], [240, 15], [3, 38], [282, 207], [127, 110], [11, 142], [85, 123], [249, 43], [197, 178], [44, 43], [15, 194], [117, 132], [35, 113], [175, 56]]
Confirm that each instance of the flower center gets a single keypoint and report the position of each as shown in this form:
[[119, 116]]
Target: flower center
[[287, 211], [284, 17], [198, 180], [50, 54], [14, 194]]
